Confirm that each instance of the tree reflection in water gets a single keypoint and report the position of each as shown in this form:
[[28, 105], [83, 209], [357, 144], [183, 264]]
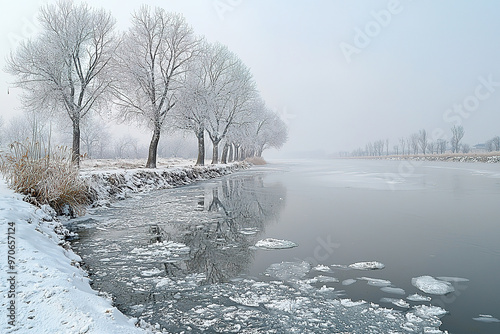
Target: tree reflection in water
[[221, 248]]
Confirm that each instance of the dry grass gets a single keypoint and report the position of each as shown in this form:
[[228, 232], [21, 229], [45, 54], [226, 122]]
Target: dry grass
[[45, 178]]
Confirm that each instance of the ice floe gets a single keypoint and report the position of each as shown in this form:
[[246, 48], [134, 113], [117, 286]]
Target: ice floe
[[486, 318], [398, 302], [349, 281], [323, 268], [396, 291], [288, 270], [371, 265], [271, 243], [424, 311], [418, 298], [430, 285], [375, 281]]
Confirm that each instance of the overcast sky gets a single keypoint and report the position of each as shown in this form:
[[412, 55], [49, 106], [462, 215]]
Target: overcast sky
[[341, 73]]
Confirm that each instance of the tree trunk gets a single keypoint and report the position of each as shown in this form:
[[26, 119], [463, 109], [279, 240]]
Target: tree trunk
[[153, 149], [76, 141], [230, 156], [215, 152], [224, 153], [201, 147], [236, 152]]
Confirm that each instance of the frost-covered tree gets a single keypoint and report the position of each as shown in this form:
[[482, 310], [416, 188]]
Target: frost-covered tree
[[496, 143], [441, 146], [402, 142], [457, 133], [231, 91], [422, 140], [65, 67], [152, 62], [414, 142], [27, 126]]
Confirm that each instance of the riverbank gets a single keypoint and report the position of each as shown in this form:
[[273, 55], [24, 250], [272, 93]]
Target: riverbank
[[491, 157], [51, 293]]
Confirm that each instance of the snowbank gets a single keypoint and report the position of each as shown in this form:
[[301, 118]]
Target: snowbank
[[114, 184], [53, 294]]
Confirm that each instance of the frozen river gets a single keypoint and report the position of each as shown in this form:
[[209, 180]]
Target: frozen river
[[186, 259]]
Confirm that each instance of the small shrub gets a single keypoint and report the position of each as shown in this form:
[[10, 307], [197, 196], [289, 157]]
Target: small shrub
[[45, 178]]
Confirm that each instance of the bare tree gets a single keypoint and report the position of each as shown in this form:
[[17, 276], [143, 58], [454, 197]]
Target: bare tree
[[387, 147], [430, 147], [152, 64], [441, 146], [402, 142], [457, 133], [422, 140], [414, 141], [496, 143], [65, 68], [465, 148], [232, 90]]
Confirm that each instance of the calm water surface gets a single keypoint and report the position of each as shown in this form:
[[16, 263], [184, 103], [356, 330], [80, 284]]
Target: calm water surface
[[168, 255]]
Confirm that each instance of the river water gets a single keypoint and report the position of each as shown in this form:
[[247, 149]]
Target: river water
[[185, 257]]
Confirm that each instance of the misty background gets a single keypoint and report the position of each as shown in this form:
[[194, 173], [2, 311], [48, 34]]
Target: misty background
[[339, 73]]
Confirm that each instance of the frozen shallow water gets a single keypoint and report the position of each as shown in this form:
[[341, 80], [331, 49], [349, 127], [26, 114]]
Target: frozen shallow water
[[186, 258]]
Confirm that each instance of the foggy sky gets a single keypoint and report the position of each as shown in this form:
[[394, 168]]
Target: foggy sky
[[341, 73]]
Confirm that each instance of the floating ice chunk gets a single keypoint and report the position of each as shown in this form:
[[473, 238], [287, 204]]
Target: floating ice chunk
[[288, 270], [432, 286], [340, 266], [396, 291], [249, 231], [323, 268], [453, 279], [348, 281], [151, 272], [397, 302], [326, 279], [324, 289], [376, 281], [271, 243], [418, 298], [486, 318], [163, 282], [372, 265], [424, 311], [350, 303]]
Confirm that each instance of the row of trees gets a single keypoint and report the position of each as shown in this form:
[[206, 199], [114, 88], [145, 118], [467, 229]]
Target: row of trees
[[158, 73], [419, 143]]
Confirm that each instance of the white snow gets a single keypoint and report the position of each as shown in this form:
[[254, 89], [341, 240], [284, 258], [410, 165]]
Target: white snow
[[271, 243], [53, 294], [371, 265], [486, 318], [430, 285]]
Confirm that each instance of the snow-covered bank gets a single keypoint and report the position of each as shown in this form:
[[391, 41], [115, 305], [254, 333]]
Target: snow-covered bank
[[52, 293], [107, 185], [455, 157]]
